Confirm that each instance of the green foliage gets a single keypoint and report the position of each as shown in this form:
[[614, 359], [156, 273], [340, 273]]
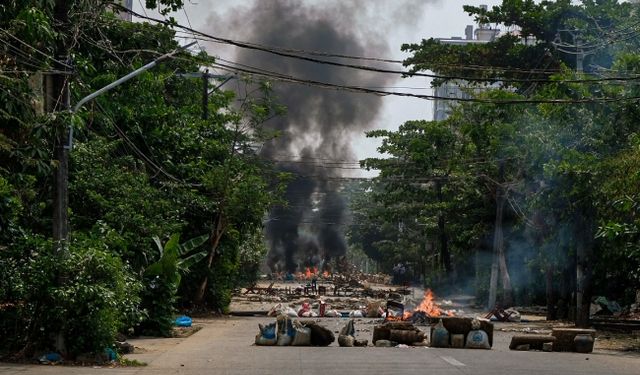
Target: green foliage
[[88, 298], [162, 279], [567, 172], [144, 163]]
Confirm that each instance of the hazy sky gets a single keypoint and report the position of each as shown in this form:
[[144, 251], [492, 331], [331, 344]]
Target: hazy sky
[[397, 21]]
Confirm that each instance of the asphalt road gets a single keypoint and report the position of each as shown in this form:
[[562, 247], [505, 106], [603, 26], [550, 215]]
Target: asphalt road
[[225, 347]]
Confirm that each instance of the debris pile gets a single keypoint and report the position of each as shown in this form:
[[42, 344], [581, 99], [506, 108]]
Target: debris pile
[[560, 340], [394, 333]]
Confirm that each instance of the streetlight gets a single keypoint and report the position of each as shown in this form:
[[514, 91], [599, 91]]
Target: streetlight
[[61, 217]]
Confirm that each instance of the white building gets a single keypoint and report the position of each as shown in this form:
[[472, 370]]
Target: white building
[[455, 89], [126, 15]]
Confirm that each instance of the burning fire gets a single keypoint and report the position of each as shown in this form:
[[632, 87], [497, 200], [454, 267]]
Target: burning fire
[[430, 307], [427, 306], [311, 272]]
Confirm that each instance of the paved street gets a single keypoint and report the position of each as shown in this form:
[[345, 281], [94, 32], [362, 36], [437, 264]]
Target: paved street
[[225, 347]]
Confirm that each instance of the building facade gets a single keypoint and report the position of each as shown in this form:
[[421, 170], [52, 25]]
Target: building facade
[[457, 89]]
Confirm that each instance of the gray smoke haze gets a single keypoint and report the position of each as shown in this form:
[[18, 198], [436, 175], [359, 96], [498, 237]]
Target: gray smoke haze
[[319, 123]]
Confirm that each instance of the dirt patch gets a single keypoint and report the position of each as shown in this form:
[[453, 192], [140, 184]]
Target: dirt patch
[[621, 342], [182, 332]]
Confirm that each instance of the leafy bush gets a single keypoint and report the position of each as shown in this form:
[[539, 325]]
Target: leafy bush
[[162, 279], [86, 299]]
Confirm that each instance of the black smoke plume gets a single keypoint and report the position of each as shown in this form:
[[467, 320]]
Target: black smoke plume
[[319, 124]]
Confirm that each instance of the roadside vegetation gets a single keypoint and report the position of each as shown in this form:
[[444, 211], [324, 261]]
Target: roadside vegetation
[[165, 206], [528, 193]]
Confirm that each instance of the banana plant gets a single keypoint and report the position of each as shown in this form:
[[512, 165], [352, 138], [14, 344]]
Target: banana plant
[[175, 258]]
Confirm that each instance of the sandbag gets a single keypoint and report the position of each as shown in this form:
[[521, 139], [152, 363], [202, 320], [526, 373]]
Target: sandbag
[[320, 336], [285, 331], [332, 314], [384, 344], [302, 336], [267, 335], [305, 310], [349, 329], [477, 339], [276, 310], [440, 336], [346, 341], [291, 313]]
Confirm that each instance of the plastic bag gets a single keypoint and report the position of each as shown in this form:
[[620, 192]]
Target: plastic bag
[[305, 309], [290, 312], [183, 321], [439, 336], [276, 310], [356, 314]]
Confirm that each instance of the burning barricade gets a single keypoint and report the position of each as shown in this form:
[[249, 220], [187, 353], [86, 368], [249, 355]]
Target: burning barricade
[[398, 327]]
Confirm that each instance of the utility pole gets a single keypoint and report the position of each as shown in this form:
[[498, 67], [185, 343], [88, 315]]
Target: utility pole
[[205, 95], [577, 48], [205, 87], [58, 99], [583, 224]]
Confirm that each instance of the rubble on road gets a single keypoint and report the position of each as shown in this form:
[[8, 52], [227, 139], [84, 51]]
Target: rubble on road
[[561, 339]]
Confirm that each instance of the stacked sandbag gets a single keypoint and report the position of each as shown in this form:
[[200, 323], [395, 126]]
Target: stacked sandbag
[[477, 338], [287, 332]]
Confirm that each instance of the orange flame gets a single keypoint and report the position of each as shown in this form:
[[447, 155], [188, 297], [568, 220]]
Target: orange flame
[[428, 306]]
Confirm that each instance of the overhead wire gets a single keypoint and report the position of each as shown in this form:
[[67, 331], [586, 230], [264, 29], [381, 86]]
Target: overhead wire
[[37, 50], [308, 82], [276, 51]]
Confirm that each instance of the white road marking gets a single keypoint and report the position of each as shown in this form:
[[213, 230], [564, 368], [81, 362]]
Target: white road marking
[[453, 361]]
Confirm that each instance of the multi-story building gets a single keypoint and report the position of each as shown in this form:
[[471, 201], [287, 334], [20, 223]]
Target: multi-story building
[[456, 89], [126, 15]]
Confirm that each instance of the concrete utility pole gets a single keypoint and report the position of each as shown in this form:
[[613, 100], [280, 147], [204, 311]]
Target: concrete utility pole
[[57, 98], [205, 95], [205, 87], [583, 224]]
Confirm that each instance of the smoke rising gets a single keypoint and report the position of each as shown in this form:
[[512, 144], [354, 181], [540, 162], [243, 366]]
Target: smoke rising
[[319, 123]]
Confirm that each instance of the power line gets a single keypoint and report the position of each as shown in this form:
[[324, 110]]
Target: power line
[[281, 52], [37, 50], [291, 79]]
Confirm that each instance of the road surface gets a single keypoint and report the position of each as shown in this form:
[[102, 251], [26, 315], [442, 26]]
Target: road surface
[[224, 346]]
